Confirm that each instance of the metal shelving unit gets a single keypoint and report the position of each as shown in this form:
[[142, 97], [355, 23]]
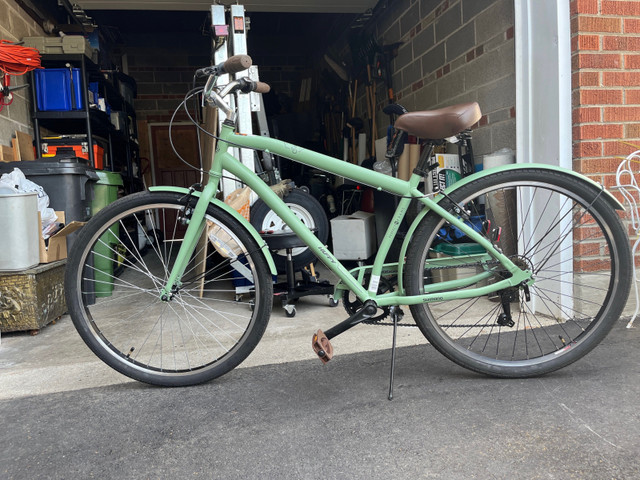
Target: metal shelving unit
[[122, 145]]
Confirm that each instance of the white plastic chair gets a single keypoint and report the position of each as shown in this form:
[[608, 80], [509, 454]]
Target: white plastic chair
[[628, 186]]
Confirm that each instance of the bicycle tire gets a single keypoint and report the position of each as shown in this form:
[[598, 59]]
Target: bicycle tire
[[116, 271], [578, 294]]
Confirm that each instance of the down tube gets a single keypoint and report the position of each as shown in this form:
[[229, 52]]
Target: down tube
[[254, 182]]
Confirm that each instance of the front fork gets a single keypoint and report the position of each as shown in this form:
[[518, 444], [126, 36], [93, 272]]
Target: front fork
[[195, 226]]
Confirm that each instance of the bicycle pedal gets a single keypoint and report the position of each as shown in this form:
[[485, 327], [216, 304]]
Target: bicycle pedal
[[322, 346]]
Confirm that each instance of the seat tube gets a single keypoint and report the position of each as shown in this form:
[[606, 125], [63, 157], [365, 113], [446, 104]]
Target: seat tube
[[390, 235]]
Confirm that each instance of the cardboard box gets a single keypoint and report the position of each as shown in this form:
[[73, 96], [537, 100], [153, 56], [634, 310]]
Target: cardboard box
[[57, 245], [354, 236]]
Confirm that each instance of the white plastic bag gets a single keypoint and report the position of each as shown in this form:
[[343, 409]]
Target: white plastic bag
[[20, 184], [383, 167]]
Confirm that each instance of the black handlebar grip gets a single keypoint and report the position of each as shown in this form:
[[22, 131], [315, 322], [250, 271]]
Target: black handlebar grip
[[262, 87], [237, 63]]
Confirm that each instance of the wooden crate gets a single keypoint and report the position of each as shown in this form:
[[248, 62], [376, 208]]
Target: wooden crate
[[30, 299]]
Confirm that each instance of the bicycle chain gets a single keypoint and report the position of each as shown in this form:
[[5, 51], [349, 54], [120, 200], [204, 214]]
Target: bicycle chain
[[476, 264]]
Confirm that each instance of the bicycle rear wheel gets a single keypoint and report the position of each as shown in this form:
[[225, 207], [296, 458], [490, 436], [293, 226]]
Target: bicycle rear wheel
[[120, 263], [555, 225]]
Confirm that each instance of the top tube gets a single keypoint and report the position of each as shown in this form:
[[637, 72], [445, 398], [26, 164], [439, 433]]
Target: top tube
[[320, 161]]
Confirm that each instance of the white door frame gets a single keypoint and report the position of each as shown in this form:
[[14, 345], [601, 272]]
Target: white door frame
[[543, 119], [543, 82]]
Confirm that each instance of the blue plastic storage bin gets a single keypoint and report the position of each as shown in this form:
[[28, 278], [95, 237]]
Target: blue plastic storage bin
[[55, 90]]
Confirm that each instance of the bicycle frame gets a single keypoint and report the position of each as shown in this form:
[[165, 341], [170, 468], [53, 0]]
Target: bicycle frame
[[407, 190]]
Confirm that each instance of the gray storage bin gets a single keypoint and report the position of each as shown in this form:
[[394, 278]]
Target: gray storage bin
[[68, 182]]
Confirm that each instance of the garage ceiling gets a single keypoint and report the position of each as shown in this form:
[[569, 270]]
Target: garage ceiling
[[306, 6]]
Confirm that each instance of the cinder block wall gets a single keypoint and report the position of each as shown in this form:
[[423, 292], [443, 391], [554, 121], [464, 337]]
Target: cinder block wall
[[163, 67], [15, 24], [606, 85], [456, 51]]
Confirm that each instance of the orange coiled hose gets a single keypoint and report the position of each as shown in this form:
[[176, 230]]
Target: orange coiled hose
[[16, 59]]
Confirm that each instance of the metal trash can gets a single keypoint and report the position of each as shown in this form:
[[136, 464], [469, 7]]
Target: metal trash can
[[20, 240]]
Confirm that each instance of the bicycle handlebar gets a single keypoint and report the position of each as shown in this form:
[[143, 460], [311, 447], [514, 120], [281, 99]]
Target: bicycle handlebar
[[236, 64], [261, 87]]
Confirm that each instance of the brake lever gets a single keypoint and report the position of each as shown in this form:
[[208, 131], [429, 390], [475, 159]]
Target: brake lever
[[207, 71]]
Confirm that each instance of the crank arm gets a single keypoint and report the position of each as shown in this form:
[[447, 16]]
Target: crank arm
[[320, 342]]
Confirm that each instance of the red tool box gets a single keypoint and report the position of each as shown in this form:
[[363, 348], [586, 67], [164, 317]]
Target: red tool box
[[72, 146]]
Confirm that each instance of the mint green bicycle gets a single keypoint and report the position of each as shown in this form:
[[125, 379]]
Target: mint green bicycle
[[173, 287]]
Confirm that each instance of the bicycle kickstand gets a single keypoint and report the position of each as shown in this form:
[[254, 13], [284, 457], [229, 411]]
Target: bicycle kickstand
[[396, 316]]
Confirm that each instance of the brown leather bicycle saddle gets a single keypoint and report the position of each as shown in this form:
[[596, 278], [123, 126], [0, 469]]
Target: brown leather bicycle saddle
[[440, 123]]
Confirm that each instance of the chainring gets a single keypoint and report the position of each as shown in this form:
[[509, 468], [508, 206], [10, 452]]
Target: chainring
[[352, 304]]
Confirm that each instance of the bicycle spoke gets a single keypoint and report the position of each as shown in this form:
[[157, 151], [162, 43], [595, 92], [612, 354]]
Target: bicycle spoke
[[556, 222], [196, 330], [154, 244]]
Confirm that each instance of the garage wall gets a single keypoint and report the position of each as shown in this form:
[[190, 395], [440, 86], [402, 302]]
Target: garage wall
[[15, 24], [456, 51], [163, 67]]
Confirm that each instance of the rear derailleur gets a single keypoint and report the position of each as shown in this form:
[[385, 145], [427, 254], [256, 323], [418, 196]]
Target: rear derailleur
[[507, 297]]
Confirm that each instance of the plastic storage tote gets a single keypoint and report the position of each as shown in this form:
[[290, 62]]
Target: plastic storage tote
[[56, 91], [443, 250]]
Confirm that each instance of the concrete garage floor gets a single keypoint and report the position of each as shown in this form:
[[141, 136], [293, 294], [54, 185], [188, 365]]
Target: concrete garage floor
[[282, 414]]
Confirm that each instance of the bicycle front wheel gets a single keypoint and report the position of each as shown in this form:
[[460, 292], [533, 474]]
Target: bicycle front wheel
[[553, 224], [216, 315]]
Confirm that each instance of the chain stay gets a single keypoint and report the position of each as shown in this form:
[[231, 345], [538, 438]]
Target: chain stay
[[476, 264]]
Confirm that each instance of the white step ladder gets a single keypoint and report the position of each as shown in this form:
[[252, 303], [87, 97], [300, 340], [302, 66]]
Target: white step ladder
[[233, 17]]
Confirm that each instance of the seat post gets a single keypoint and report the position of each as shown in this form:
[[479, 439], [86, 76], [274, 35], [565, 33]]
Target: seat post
[[424, 163]]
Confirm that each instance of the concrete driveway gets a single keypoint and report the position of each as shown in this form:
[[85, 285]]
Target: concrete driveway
[[63, 414]]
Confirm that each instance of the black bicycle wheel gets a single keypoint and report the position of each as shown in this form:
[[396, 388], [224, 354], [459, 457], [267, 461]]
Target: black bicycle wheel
[[557, 226], [118, 267], [307, 209]]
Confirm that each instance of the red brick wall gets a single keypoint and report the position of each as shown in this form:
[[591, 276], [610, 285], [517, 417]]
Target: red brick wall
[[605, 43]]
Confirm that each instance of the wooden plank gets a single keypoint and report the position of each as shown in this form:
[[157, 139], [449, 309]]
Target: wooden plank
[[6, 153], [16, 149], [26, 146], [23, 147]]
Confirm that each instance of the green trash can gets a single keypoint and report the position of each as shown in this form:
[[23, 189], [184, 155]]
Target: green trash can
[[105, 191]]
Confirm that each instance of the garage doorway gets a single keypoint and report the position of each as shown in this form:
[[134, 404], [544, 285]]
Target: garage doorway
[[168, 169]]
